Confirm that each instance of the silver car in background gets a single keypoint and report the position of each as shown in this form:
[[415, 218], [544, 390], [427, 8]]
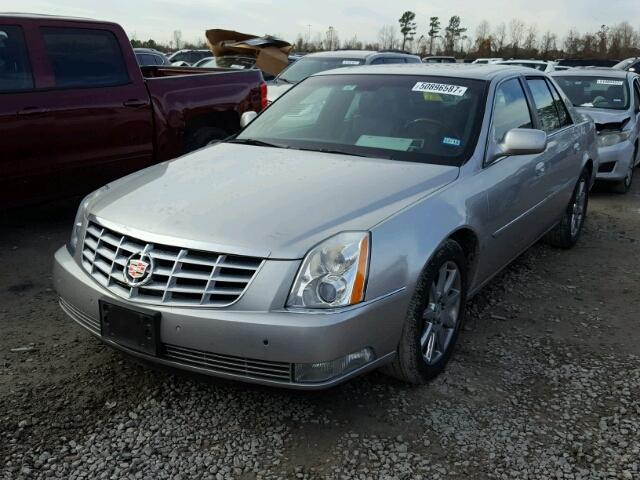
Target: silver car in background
[[342, 230], [612, 99]]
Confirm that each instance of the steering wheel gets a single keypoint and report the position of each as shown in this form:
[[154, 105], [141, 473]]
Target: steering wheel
[[435, 125]]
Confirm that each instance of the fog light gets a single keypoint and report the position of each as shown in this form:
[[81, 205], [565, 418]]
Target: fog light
[[322, 371]]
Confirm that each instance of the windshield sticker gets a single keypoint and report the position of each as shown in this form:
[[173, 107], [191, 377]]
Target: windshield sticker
[[429, 87], [348, 88], [350, 62], [390, 143], [454, 142], [588, 104], [237, 67], [610, 82]]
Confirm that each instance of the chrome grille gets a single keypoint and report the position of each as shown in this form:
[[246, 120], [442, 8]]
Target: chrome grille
[[217, 363], [181, 277]]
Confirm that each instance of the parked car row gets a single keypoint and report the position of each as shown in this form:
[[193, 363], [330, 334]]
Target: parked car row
[[337, 230]]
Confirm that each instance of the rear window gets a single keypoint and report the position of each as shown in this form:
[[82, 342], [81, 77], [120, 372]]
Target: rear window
[[84, 57], [596, 92], [308, 66], [15, 69]]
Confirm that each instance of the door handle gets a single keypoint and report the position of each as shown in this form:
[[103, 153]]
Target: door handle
[[540, 169], [32, 112], [135, 103]]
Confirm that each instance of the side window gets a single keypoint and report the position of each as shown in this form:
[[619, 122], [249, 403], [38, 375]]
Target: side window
[[15, 69], [563, 114], [510, 110], [390, 60], [84, 58], [547, 113], [377, 61]]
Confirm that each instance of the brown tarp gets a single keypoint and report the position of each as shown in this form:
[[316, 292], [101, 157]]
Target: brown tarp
[[271, 54]]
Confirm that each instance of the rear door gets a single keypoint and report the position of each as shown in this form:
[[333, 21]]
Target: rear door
[[27, 164], [101, 115], [559, 166]]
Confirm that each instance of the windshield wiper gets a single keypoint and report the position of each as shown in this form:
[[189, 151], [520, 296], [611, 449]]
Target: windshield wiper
[[284, 80], [328, 150], [255, 142]]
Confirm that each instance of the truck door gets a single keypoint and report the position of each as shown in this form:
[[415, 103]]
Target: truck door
[[27, 167], [101, 111]]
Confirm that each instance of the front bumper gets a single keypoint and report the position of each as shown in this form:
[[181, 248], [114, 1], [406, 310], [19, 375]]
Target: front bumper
[[259, 347], [614, 161]]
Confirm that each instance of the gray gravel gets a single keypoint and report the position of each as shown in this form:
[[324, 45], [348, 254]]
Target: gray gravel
[[545, 385]]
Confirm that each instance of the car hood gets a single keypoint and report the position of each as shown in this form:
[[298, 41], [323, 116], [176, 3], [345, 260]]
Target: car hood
[[275, 90], [262, 201], [603, 115]]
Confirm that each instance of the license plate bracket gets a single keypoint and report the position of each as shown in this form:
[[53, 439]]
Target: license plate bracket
[[132, 328]]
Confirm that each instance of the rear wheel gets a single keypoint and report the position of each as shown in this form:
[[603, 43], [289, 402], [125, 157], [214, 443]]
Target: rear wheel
[[203, 136], [567, 232], [434, 317]]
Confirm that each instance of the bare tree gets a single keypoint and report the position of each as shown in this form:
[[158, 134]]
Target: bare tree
[[352, 44], [434, 32], [603, 39], [331, 40], [516, 32], [530, 43], [388, 37], [548, 44], [483, 31], [499, 38], [177, 39], [572, 42]]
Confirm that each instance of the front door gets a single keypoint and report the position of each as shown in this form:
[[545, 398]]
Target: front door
[[27, 165]]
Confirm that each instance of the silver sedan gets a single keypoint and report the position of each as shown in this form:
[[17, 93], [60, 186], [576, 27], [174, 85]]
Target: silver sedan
[[342, 230]]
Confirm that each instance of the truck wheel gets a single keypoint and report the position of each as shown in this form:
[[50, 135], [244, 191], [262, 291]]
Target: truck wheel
[[433, 320], [567, 232], [202, 137]]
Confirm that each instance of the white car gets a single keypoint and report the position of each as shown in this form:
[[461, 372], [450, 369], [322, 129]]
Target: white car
[[484, 61], [537, 64]]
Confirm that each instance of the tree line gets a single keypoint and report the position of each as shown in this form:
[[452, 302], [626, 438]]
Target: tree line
[[513, 39]]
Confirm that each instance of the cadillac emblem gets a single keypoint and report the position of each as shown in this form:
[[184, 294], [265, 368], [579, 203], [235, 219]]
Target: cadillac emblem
[[138, 269]]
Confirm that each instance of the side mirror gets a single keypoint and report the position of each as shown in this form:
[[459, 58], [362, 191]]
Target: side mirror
[[521, 141], [247, 118]]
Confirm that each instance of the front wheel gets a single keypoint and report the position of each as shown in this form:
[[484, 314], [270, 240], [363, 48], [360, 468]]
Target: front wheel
[[567, 232], [623, 186], [434, 317]]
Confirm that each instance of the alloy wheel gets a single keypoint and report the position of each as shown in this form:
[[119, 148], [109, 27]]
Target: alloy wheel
[[441, 315], [578, 208]]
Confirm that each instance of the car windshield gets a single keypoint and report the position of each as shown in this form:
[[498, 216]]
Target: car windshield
[[308, 66], [596, 92], [398, 117]]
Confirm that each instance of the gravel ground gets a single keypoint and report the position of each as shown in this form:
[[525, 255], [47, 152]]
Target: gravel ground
[[545, 384]]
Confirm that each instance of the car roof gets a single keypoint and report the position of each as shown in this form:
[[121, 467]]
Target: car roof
[[42, 16], [485, 72], [522, 61], [593, 72], [362, 54]]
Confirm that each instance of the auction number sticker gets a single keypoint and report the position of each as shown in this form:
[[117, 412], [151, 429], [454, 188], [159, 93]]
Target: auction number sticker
[[610, 82], [350, 62], [443, 88]]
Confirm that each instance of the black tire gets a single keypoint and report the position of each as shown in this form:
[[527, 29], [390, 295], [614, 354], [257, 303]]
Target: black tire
[[623, 186], [409, 364], [562, 235], [203, 136]]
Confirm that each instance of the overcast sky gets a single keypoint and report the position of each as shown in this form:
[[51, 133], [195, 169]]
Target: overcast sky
[[157, 19]]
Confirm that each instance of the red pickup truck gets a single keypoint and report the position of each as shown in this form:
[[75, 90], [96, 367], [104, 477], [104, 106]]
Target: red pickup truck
[[76, 110]]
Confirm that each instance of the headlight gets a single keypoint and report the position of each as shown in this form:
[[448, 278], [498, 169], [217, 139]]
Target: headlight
[[613, 138], [79, 221], [333, 274]]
